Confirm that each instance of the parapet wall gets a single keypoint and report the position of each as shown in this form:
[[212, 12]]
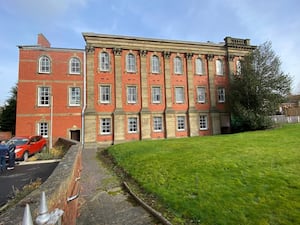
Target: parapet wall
[[63, 183]]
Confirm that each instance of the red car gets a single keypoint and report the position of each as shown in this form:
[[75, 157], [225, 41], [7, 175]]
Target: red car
[[28, 145]]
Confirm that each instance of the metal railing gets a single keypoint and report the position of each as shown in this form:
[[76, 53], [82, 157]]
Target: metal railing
[[286, 119], [44, 217]]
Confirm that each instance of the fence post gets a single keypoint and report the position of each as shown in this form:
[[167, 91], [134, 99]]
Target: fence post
[[27, 219], [45, 217]]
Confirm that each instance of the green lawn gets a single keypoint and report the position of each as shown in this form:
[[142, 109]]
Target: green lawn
[[245, 178]]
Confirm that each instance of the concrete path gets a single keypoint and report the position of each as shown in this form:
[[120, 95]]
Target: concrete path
[[102, 200]]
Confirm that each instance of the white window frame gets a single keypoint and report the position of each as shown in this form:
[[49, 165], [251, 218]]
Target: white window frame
[[105, 126], [181, 123], [199, 66], [221, 95], [43, 129], [44, 96], [130, 63], [178, 65], [219, 67], [179, 95], [157, 124], [104, 61], [44, 64], [131, 94], [74, 65], [132, 125], [156, 94], [155, 68], [201, 94], [203, 122], [105, 94], [74, 96]]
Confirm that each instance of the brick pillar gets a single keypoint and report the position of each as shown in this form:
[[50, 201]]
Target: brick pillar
[[169, 113], [192, 113], [214, 114], [90, 113], [119, 115], [145, 113]]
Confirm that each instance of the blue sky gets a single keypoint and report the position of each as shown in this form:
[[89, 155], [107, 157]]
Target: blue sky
[[63, 21]]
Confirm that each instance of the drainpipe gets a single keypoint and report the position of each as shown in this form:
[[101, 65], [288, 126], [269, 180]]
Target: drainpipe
[[84, 99], [51, 122]]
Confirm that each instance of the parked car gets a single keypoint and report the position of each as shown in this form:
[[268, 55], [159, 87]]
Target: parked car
[[28, 145]]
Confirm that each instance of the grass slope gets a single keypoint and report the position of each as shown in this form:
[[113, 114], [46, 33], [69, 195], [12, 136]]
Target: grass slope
[[245, 178]]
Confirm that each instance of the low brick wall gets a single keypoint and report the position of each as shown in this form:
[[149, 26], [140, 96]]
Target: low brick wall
[[60, 185]]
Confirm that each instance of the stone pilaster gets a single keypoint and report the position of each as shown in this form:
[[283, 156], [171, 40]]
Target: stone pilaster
[[119, 127], [214, 114], [215, 122], [90, 119], [118, 78], [168, 87], [90, 78], [194, 123], [119, 115], [169, 113], [170, 124], [145, 113], [211, 80], [231, 66], [190, 79], [144, 80], [192, 113]]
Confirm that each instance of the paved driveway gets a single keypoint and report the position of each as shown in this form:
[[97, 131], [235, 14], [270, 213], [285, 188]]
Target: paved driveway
[[23, 174]]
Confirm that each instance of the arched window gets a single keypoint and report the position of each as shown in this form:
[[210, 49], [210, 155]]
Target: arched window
[[219, 67], [199, 66], [74, 66], [238, 67], [130, 63], [155, 64], [104, 61], [44, 64], [177, 65]]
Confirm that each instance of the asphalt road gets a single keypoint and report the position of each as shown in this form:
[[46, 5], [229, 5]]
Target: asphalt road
[[23, 174]]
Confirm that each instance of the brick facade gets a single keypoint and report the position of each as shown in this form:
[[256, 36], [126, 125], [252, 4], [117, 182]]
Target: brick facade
[[34, 111], [136, 88], [178, 106]]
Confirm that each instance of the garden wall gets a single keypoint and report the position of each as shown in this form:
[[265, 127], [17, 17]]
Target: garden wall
[[63, 183]]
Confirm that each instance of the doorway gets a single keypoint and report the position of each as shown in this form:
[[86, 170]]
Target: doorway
[[75, 135]]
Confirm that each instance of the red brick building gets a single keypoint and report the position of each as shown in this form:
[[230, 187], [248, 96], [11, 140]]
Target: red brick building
[[50, 91], [135, 88], [141, 88]]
